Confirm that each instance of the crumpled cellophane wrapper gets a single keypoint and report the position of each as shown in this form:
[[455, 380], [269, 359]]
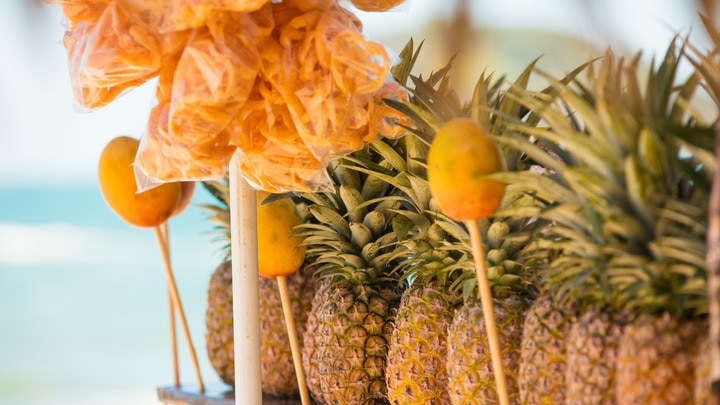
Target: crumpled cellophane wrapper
[[115, 46], [287, 85]]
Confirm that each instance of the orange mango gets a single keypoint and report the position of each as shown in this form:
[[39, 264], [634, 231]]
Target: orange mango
[[279, 251], [119, 189], [460, 157]]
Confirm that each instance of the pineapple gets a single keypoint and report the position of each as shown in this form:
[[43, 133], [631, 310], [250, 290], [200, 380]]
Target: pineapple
[[512, 276], [541, 373], [592, 352], [310, 340], [350, 242], [703, 382], [440, 247], [468, 362], [219, 324], [471, 378], [628, 193], [277, 370], [417, 353]]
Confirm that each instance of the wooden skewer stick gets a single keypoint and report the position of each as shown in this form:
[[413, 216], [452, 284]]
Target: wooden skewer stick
[[292, 335], [175, 297], [173, 328], [173, 342], [488, 312]]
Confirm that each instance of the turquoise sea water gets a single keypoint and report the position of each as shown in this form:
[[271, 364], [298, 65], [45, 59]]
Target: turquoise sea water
[[83, 299]]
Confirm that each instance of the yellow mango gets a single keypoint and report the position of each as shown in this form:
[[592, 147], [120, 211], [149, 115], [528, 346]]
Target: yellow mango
[[279, 251], [460, 157], [119, 189]]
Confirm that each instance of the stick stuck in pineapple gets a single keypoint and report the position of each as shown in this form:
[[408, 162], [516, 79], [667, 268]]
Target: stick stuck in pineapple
[[281, 253], [460, 157]]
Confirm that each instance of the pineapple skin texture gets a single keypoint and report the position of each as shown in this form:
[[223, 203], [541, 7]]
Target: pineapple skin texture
[[592, 351], [416, 372], [276, 366], [541, 375], [277, 371], [310, 341], [656, 361], [470, 372], [703, 378], [219, 324], [354, 331]]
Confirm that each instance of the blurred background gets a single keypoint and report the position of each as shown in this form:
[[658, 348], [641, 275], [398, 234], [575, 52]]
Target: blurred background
[[83, 304]]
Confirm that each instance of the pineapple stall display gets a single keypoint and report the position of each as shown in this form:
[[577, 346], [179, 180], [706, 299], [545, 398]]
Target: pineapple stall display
[[350, 244], [600, 236]]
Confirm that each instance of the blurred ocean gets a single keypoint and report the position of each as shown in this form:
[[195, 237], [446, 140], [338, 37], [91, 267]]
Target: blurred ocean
[[83, 299]]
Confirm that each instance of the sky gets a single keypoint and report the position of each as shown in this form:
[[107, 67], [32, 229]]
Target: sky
[[45, 142]]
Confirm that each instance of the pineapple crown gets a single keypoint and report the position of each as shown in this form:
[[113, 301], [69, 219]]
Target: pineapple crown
[[432, 245], [219, 214], [625, 183], [349, 234]]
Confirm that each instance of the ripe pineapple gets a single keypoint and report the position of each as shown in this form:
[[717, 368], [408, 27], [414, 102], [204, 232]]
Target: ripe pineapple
[[310, 341], [433, 104], [592, 352], [349, 241], [541, 373], [629, 192], [471, 378], [219, 324], [416, 372], [512, 278], [277, 370], [703, 379], [417, 339]]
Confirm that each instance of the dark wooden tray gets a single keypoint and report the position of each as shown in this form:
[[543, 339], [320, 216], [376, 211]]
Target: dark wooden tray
[[215, 394]]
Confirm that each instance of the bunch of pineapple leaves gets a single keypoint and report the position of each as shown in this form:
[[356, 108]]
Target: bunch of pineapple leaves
[[432, 103], [219, 213], [627, 197]]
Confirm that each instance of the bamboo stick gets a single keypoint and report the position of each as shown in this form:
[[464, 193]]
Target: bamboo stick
[[175, 297], [488, 312], [245, 286], [292, 335], [173, 328], [173, 342]]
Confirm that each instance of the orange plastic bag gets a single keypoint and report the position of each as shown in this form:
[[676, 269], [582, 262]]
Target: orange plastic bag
[[162, 158], [89, 96], [122, 47], [77, 11]]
